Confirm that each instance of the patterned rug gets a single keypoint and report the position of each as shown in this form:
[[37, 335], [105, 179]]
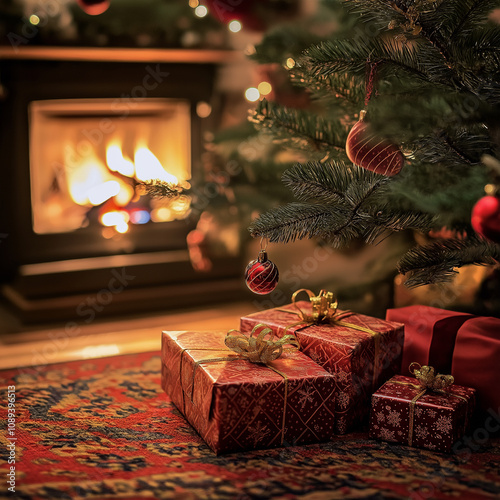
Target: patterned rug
[[103, 429]]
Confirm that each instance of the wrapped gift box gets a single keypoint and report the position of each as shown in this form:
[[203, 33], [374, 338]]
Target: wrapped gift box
[[439, 418], [239, 405], [476, 360], [430, 335], [359, 361], [464, 345]]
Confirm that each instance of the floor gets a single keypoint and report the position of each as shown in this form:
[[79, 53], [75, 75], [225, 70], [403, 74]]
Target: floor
[[42, 345]]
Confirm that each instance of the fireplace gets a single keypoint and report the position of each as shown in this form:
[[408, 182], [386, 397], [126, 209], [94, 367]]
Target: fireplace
[[81, 130], [86, 167]]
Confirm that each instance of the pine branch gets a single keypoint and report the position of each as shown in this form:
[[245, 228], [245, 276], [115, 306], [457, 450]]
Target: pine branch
[[479, 51], [161, 189], [352, 206], [421, 60], [467, 15], [376, 13], [336, 89], [384, 222], [449, 193], [461, 147], [330, 182], [299, 220], [336, 224], [395, 115], [438, 261], [299, 128]]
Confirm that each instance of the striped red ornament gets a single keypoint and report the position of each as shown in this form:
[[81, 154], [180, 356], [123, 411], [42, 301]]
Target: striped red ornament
[[261, 274], [366, 149]]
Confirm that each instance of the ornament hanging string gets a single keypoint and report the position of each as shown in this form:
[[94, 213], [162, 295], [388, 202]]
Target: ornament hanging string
[[370, 80], [264, 242]]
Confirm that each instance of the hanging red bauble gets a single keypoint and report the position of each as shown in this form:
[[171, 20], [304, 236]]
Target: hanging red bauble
[[261, 274], [486, 218], [366, 149], [94, 7]]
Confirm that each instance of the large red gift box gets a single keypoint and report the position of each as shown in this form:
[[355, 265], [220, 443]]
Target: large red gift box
[[430, 335], [464, 345], [359, 361], [476, 360], [239, 405], [439, 418]]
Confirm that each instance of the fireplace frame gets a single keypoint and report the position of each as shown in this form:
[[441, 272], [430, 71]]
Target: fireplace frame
[[46, 276]]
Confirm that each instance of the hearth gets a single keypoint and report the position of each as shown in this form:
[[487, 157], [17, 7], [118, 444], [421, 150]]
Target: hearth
[[86, 166], [81, 129]]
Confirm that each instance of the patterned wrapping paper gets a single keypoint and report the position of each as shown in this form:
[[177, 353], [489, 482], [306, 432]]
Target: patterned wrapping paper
[[439, 419], [239, 405], [348, 354]]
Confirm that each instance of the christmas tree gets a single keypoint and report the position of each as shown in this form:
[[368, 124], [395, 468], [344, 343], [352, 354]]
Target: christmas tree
[[427, 73]]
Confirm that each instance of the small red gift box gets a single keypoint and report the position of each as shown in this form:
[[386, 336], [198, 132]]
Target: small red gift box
[[464, 345], [359, 361], [238, 405], [436, 421]]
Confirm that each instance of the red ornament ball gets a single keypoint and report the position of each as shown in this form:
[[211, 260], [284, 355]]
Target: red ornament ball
[[261, 275], [486, 218], [94, 7], [366, 149]]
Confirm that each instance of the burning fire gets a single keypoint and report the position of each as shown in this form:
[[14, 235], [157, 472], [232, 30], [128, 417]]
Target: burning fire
[[148, 168], [113, 185]]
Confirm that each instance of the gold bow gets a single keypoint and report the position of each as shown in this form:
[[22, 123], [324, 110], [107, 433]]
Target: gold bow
[[429, 381], [427, 377], [324, 307], [324, 311], [259, 349]]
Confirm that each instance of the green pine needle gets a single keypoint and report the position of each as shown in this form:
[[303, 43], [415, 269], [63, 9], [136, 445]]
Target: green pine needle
[[300, 129], [161, 189], [330, 182], [438, 261]]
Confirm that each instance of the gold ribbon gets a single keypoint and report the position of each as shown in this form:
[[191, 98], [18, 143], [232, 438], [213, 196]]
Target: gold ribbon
[[258, 349], [324, 311], [429, 381]]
